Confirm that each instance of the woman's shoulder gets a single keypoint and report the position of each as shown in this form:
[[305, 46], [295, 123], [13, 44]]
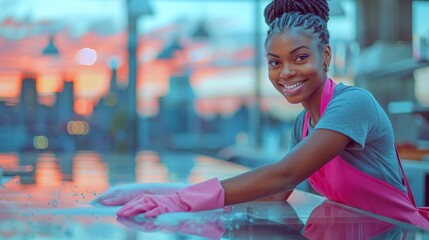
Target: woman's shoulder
[[355, 103], [350, 92], [342, 88]]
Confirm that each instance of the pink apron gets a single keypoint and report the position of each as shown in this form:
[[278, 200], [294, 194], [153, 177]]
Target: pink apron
[[340, 182]]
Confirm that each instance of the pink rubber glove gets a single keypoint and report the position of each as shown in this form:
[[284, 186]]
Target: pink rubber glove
[[120, 195], [202, 196]]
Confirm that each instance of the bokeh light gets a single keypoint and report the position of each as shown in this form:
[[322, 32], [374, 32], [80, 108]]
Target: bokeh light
[[77, 127], [86, 56], [40, 142]]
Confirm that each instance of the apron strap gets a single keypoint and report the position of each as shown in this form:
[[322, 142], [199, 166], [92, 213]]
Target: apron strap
[[404, 177], [328, 91]]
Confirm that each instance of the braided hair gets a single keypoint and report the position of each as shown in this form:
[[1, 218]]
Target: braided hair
[[308, 17]]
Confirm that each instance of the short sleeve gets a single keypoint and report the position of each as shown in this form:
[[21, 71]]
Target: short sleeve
[[353, 113]]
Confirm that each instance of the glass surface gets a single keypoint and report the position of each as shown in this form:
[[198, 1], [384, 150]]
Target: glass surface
[[48, 198]]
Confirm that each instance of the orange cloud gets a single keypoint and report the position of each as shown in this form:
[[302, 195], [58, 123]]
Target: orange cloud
[[10, 84]]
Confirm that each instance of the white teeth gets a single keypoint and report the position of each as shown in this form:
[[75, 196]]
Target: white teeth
[[293, 85]]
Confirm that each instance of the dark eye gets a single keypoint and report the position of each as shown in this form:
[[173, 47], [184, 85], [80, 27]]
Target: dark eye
[[301, 57], [273, 63]]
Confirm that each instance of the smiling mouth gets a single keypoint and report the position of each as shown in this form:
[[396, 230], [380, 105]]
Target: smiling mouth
[[292, 86]]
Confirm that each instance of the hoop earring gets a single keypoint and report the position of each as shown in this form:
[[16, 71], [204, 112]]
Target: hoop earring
[[325, 67]]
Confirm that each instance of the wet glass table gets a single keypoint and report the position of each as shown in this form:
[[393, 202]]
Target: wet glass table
[[49, 200]]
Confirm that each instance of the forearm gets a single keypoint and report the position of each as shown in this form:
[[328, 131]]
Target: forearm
[[299, 163], [257, 184], [282, 196]]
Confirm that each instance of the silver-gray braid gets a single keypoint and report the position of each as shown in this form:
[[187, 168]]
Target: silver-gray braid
[[308, 17]]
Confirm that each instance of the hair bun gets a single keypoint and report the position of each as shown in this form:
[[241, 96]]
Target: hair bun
[[277, 8]]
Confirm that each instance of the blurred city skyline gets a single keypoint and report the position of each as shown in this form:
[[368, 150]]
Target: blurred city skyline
[[88, 45]]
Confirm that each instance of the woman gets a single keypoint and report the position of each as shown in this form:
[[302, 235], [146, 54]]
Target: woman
[[342, 142]]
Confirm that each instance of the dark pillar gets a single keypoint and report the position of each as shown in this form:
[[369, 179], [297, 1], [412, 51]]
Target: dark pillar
[[255, 117], [132, 79], [388, 20]]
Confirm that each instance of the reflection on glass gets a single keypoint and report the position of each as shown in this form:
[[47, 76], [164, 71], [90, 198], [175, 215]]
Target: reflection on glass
[[332, 221], [47, 171], [90, 165], [149, 169], [8, 161], [259, 220]]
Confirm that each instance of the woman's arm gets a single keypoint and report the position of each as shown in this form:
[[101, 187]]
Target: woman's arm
[[308, 156], [282, 196], [303, 160]]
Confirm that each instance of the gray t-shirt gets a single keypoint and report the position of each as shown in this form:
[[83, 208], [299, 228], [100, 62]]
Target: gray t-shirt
[[355, 113]]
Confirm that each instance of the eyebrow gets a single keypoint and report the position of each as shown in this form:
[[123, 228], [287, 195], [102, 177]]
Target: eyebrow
[[294, 50]]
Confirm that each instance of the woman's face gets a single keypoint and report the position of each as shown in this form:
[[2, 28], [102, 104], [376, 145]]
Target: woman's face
[[295, 66]]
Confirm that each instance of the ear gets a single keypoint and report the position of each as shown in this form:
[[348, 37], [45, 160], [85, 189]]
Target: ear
[[327, 55]]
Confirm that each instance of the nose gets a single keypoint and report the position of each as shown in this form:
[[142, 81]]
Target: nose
[[287, 71]]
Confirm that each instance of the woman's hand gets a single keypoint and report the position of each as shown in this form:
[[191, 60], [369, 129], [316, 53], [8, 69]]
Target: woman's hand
[[120, 195], [205, 195]]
